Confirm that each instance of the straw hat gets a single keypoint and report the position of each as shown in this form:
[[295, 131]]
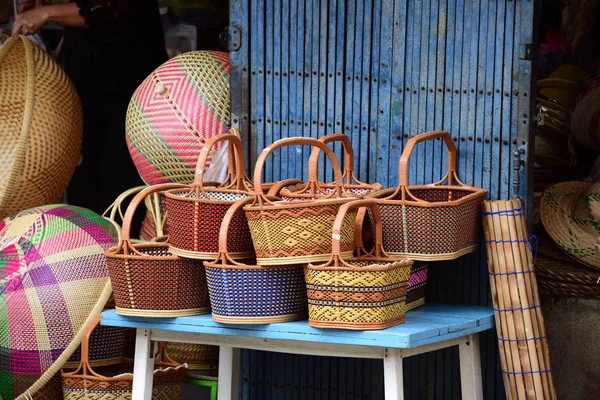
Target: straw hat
[[570, 213]]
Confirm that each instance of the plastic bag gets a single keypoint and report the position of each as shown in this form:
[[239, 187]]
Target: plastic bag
[[217, 169]]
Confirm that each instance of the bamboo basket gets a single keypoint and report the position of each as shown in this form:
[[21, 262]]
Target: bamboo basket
[[364, 292], [253, 294], [524, 354], [314, 189], [298, 232], [148, 280], [195, 214], [430, 222], [86, 384], [198, 357]]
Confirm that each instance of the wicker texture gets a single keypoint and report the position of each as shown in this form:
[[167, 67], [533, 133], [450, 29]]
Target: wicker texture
[[415, 289], [314, 189], [39, 147], [241, 293], [296, 232], [195, 214], [364, 292], [566, 278], [106, 347], [174, 111], [432, 222], [86, 384], [53, 275], [148, 280], [198, 357]]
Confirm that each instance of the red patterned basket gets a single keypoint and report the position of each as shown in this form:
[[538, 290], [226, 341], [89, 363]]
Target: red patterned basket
[[415, 289], [435, 221], [195, 213], [253, 294], [150, 281], [314, 189], [367, 291], [298, 232]]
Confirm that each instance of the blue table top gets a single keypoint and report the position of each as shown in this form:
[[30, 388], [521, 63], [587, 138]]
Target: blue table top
[[427, 324]]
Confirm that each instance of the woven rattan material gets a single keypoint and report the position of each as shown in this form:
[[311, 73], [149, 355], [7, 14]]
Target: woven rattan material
[[198, 357], [113, 383], [296, 232], [53, 275], [415, 289], [39, 147], [106, 347], [195, 215], [175, 110], [148, 280], [566, 278], [364, 292], [51, 390], [433, 222]]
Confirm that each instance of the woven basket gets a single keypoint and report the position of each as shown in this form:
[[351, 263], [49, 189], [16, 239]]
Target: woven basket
[[314, 189], [183, 103], [39, 147], [198, 357], [253, 294], [566, 277], [148, 280], [415, 288], [86, 384], [430, 222], [364, 292], [195, 213], [299, 232], [106, 348]]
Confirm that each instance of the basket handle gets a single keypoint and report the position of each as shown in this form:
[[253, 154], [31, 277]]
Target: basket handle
[[237, 151], [125, 233], [348, 157], [260, 162], [339, 221], [412, 142]]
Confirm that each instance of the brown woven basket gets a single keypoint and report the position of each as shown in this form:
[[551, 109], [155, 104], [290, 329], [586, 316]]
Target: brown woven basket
[[86, 384], [148, 280], [566, 278], [39, 147], [431, 222], [198, 357], [314, 189], [364, 292], [195, 213], [296, 232]]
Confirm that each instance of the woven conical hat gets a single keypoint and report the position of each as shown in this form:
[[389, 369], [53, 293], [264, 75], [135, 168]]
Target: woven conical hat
[[53, 282], [40, 127], [570, 213]]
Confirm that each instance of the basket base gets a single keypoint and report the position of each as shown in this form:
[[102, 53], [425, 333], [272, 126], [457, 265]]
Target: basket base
[[259, 320], [299, 259], [356, 326], [94, 363], [198, 255], [435, 257], [202, 367], [414, 304], [131, 312]]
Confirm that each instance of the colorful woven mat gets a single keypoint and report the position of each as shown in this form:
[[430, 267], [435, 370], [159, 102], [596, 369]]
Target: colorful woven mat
[[53, 276]]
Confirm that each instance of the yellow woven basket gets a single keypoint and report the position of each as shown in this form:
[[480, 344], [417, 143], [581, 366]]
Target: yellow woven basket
[[39, 146]]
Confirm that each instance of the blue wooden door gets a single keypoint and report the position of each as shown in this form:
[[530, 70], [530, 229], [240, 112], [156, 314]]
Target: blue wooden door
[[382, 71]]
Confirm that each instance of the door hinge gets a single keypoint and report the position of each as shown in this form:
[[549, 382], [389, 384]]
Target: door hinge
[[527, 51], [231, 37]]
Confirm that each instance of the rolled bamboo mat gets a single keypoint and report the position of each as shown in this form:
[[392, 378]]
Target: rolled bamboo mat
[[522, 341]]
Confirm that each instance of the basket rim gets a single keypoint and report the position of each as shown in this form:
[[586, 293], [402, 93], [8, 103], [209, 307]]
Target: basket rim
[[111, 253], [210, 264], [475, 194], [386, 265], [170, 194], [355, 325], [282, 204]]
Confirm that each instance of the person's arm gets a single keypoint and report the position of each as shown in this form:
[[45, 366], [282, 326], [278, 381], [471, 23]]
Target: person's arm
[[29, 22]]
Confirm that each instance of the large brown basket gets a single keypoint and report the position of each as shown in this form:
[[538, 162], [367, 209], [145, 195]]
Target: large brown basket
[[198, 357], [364, 292], [86, 384], [39, 147], [431, 222], [148, 280], [314, 189], [297, 232], [195, 213]]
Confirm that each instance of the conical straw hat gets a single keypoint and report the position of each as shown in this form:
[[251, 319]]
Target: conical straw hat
[[570, 213]]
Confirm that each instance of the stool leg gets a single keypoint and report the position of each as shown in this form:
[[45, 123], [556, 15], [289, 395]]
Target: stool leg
[[393, 378], [229, 373], [470, 368], [143, 367]]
